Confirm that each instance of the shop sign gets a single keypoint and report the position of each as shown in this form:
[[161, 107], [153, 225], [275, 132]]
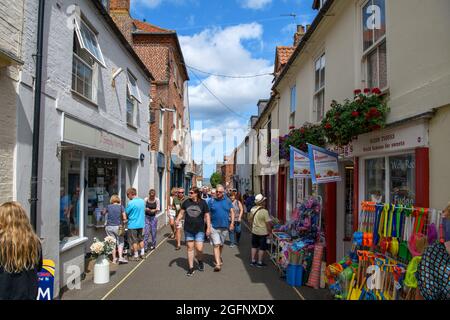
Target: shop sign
[[391, 140], [83, 134], [269, 171], [299, 164], [324, 165], [46, 278]]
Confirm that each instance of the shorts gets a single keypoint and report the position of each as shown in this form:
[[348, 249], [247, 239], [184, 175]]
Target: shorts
[[113, 231], [172, 214], [135, 235], [259, 242], [197, 237], [218, 236]]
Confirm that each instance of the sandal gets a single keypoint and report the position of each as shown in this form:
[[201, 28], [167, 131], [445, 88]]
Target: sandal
[[217, 268], [177, 248]]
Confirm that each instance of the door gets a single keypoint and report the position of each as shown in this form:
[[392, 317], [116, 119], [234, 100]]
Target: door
[[282, 194]]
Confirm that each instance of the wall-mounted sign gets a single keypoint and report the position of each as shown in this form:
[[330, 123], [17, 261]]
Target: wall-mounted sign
[[324, 165], [299, 164], [391, 140]]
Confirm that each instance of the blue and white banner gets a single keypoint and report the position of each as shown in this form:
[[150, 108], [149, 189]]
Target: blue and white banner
[[299, 164], [324, 165]]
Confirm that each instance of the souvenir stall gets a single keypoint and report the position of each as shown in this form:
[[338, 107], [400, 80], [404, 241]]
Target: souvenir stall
[[386, 251], [297, 247]]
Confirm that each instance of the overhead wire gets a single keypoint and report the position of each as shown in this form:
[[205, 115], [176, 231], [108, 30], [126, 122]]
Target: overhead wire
[[230, 76]]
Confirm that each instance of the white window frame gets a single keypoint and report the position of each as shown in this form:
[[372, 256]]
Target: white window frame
[[94, 78], [78, 22], [374, 47], [362, 172], [321, 90], [135, 109], [133, 88]]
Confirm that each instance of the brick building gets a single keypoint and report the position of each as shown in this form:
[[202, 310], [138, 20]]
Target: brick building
[[169, 125]]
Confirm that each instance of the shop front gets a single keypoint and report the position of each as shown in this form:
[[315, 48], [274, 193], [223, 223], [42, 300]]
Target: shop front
[[95, 165]]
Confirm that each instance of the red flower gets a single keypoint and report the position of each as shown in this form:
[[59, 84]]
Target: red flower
[[328, 126], [376, 127], [291, 127], [357, 91], [376, 91], [355, 114], [302, 130], [373, 111], [366, 90]]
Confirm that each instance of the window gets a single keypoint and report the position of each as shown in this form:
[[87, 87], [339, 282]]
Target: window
[[132, 87], [133, 99], [84, 71], [319, 87], [399, 173], [161, 131], [88, 41], [70, 196], [374, 43], [293, 98]]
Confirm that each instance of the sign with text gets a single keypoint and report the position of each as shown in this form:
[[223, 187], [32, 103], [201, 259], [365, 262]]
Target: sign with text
[[299, 164], [391, 140], [324, 165], [46, 280]]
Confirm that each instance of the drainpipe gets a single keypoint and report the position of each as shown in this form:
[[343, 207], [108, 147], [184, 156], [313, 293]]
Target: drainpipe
[[37, 118]]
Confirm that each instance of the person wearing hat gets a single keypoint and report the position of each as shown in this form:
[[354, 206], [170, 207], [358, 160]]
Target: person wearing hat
[[261, 223]]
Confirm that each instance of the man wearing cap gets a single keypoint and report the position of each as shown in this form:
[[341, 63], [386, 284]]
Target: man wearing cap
[[261, 227], [221, 209]]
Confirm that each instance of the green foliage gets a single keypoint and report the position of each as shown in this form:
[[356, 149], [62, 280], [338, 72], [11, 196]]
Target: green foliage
[[216, 179], [298, 138], [365, 113]]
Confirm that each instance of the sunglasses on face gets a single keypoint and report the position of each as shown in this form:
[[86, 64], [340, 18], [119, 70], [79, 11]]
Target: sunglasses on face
[[219, 191], [191, 192]]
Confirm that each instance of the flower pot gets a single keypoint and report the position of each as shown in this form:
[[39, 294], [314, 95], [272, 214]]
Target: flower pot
[[101, 270]]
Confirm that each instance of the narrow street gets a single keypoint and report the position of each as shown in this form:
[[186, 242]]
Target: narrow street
[[162, 276]]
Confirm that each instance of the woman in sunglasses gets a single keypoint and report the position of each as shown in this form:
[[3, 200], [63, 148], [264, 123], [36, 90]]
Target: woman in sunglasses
[[235, 234], [195, 212]]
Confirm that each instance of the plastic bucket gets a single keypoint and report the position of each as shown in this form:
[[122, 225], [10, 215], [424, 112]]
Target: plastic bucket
[[294, 275]]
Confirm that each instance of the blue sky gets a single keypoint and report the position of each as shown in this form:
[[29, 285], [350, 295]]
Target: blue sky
[[227, 37]]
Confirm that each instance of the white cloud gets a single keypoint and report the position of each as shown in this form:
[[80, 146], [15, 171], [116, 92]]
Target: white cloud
[[255, 4], [146, 3]]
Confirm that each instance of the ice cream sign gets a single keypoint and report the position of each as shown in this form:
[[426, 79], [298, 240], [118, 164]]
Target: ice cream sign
[[323, 164], [299, 164]]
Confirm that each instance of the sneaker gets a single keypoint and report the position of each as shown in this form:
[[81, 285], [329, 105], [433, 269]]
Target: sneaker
[[123, 261], [135, 258], [201, 266], [190, 272], [232, 246], [253, 264], [261, 265]]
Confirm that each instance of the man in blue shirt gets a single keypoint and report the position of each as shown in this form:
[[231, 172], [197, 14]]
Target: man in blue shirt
[[136, 222], [221, 209]]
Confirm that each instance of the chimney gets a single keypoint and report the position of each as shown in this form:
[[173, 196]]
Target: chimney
[[299, 34], [307, 27], [120, 5]]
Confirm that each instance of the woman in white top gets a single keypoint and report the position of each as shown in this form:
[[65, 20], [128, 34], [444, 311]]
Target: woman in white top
[[172, 213]]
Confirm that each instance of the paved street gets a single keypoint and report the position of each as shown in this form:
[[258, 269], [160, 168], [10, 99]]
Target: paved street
[[162, 276]]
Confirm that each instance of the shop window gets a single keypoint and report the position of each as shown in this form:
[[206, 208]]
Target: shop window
[[374, 43], [70, 194], [319, 87], [293, 98], [102, 179], [375, 179], [402, 179], [391, 179]]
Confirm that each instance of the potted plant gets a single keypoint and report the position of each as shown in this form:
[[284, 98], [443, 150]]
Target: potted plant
[[100, 250]]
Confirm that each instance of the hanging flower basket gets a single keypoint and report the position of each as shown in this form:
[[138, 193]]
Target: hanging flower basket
[[366, 112]]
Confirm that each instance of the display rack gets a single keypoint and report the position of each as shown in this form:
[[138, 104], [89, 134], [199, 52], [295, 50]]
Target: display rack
[[275, 248]]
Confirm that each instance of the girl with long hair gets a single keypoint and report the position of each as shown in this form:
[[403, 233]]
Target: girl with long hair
[[20, 254]]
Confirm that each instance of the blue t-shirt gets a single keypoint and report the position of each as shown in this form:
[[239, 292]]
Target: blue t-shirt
[[64, 203], [136, 213], [220, 212]]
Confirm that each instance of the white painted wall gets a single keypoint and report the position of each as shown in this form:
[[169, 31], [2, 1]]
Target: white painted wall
[[109, 114]]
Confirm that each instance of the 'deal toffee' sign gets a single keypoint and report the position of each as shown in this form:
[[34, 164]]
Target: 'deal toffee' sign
[[299, 164], [324, 165]]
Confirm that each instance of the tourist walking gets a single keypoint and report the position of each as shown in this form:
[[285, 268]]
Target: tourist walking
[[20, 254], [221, 209], [249, 202], [136, 222], [195, 213], [177, 202], [235, 234], [115, 219], [261, 226], [205, 195], [171, 212], [152, 208]]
